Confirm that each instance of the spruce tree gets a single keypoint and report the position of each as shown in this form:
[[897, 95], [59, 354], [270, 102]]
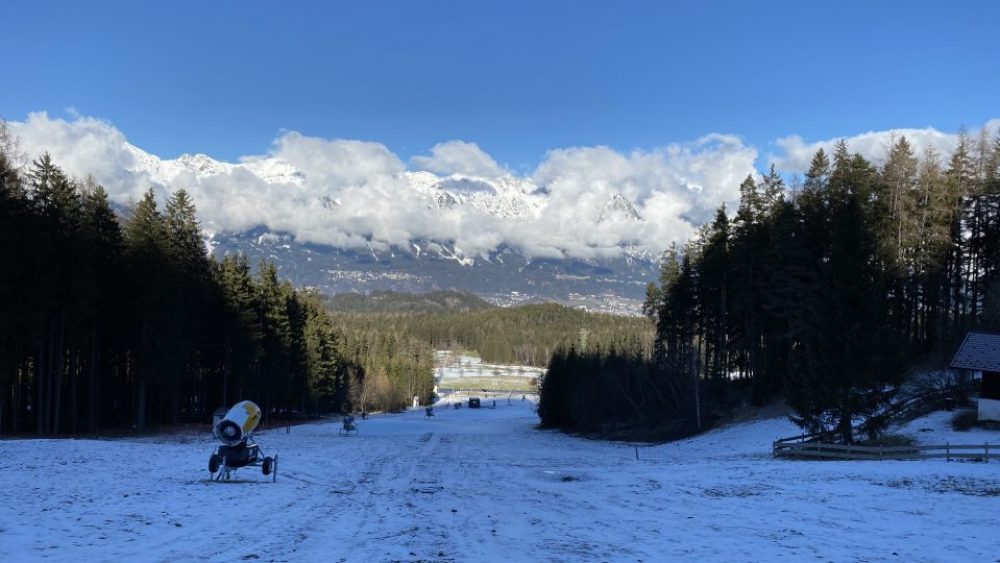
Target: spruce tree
[[15, 231], [713, 289], [275, 367], [959, 187], [850, 364], [104, 242], [896, 220], [149, 291], [669, 271]]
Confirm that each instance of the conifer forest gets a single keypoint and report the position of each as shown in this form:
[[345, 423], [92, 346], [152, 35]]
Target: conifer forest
[[824, 293], [111, 323], [821, 291]]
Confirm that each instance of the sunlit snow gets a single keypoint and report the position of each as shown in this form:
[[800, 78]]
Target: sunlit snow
[[488, 485]]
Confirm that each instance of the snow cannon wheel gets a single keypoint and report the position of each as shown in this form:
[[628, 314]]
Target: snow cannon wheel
[[266, 466], [213, 463]]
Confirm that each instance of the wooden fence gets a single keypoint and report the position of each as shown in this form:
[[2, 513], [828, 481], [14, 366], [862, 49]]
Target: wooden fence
[[795, 447]]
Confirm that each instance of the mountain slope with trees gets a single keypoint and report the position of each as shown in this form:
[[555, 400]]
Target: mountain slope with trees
[[525, 335], [109, 323], [823, 294]]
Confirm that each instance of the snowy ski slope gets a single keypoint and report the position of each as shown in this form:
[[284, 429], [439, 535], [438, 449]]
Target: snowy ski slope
[[486, 485]]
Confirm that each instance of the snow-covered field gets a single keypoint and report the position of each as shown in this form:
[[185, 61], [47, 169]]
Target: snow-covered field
[[460, 371], [486, 485], [450, 365]]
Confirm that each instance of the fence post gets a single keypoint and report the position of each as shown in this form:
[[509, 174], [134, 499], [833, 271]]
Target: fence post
[[880, 450], [947, 451], [987, 452]]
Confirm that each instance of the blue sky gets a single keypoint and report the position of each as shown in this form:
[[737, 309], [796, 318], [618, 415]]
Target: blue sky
[[518, 78]]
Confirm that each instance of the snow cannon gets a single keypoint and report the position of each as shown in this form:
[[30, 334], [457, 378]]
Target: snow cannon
[[238, 450], [239, 422]]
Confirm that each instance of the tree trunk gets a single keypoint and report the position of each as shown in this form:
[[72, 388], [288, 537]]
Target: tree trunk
[[125, 390], [140, 402], [844, 427], [226, 367], [174, 404], [74, 408], [140, 383], [40, 389], [18, 404], [59, 372], [95, 369]]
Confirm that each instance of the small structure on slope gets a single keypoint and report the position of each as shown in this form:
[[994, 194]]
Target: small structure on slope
[[235, 432], [980, 351]]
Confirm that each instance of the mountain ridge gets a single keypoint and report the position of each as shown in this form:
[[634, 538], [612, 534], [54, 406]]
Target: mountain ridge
[[613, 279]]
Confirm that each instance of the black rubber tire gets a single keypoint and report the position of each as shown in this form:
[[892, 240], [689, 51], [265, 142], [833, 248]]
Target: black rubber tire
[[266, 466], [213, 463]]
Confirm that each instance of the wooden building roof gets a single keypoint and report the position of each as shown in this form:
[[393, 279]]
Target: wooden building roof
[[979, 351]]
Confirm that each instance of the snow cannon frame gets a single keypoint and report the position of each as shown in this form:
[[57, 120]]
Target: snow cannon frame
[[238, 450], [349, 427]]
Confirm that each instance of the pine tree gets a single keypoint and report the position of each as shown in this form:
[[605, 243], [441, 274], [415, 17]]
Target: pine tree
[[651, 304], [104, 242], [788, 289], [15, 228], [327, 370], [932, 248], [241, 329], [60, 285], [896, 202], [149, 289], [959, 186], [749, 249], [276, 335], [184, 242], [713, 289], [850, 363], [669, 271], [895, 214]]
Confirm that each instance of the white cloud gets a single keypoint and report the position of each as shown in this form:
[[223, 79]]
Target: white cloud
[[458, 157], [873, 145], [674, 187], [355, 193], [335, 163], [351, 193], [84, 146]]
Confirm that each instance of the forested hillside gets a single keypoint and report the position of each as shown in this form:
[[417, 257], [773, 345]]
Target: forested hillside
[[823, 293], [126, 323], [527, 335]]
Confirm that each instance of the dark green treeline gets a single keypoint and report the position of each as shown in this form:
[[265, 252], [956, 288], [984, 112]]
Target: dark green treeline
[[823, 293], [110, 324], [524, 335]]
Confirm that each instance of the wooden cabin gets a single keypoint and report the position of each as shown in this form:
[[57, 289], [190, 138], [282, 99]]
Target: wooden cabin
[[981, 352]]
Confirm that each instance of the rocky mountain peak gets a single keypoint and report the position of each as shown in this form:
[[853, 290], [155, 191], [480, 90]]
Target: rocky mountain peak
[[619, 208]]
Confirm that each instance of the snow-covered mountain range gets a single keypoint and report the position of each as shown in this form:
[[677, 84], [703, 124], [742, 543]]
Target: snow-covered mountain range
[[508, 198], [345, 214], [581, 214], [505, 273]]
